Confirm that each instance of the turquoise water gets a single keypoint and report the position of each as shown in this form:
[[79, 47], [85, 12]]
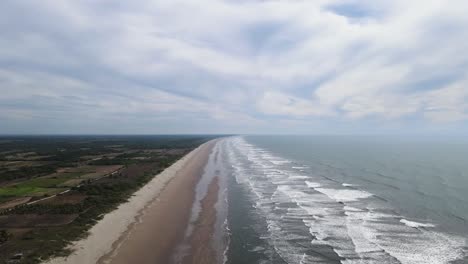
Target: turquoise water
[[337, 199]]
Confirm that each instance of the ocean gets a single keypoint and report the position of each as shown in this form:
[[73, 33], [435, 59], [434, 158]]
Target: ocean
[[344, 199]]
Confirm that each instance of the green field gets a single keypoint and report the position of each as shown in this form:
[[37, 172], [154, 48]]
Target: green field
[[21, 190], [33, 187], [62, 163]]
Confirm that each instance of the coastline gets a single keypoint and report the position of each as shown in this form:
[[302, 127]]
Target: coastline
[[201, 250], [148, 226]]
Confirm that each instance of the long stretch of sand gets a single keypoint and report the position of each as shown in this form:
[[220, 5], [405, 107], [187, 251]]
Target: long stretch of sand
[[147, 227], [201, 250]]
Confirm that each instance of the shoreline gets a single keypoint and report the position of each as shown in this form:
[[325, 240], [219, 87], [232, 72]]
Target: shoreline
[[201, 246], [120, 236], [204, 240]]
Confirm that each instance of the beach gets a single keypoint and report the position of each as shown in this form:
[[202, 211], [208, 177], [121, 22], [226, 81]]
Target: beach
[[152, 223], [200, 250], [273, 200]]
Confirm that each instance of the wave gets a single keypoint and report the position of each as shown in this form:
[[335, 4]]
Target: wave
[[313, 184], [311, 218], [300, 167], [344, 195], [416, 224]]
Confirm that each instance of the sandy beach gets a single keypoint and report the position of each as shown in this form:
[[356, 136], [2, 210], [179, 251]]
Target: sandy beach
[[201, 250], [148, 227]]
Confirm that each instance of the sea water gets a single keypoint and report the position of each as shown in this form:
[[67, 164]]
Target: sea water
[[346, 199]]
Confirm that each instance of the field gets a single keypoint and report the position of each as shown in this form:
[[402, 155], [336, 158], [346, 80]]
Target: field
[[53, 189]]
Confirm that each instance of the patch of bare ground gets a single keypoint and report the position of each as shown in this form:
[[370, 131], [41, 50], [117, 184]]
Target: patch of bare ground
[[102, 170], [14, 202], [68, 198], [136, 170], [175, 151], [18, 232], [35, 220]]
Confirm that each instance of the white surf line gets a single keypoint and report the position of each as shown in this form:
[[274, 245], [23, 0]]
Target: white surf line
[[415, 242], [201, 190], [416, 224]]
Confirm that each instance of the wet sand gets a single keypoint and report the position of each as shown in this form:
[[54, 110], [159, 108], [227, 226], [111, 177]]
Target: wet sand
[[155, 236], [201, 249], [148, 227]]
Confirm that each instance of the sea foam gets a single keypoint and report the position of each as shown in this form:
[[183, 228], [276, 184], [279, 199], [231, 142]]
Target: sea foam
[[416, 224], [350, 221], [344, 195]]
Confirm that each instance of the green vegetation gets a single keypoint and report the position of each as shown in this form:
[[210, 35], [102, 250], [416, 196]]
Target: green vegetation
[[26, 172], [21, 190], [4, 236], [83, 162], [37, 185]]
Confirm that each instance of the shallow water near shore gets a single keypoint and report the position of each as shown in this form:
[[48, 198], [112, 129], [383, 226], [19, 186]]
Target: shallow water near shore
[[215, 172], [314, 199]]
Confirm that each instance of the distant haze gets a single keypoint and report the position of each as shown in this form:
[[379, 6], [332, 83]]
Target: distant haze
[[296, 67]]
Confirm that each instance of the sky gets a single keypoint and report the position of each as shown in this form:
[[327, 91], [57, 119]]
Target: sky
[[233, 66]]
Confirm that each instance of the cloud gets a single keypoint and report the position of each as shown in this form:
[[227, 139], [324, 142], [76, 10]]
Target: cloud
[[230, 64], [275, 103], [448, 104]]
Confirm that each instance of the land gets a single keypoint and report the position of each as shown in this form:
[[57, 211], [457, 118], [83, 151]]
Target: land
[[53, 190], [201, 250], [160, 227]]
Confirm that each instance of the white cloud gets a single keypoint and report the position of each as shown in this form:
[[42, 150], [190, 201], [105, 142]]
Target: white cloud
[[275, 103], [230, 61], [448, 104]]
